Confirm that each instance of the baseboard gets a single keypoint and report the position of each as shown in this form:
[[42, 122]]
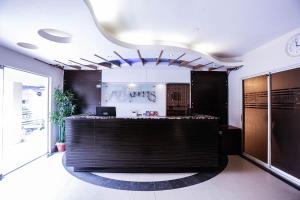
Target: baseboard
[[297, 187]]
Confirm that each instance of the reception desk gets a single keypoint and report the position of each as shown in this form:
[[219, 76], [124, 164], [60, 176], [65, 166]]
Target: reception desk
[[158, 144]]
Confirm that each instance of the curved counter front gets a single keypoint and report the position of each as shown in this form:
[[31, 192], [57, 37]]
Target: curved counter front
[[164, 144]]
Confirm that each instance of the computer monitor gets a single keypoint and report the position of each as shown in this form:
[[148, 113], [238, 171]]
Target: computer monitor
[[106, 111]]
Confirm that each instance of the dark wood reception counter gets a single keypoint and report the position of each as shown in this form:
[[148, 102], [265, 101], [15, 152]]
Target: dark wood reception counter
[[159, 144]]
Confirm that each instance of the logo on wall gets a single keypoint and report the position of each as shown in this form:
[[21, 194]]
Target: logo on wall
[[150, 95], [124, 93]]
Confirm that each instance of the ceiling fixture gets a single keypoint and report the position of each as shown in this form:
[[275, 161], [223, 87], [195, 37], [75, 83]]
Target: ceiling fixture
[[64, 64], [55, 35], [159, 57], [27, 45], [175, 60]]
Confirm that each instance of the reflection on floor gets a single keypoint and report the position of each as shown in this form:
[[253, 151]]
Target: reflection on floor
[[47, 179], [144, 177], [33, 145]]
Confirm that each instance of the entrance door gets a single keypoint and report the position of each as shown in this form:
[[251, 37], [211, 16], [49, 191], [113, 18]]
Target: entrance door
[[255, 97], [285, 137], [25, 118], [1, 120]]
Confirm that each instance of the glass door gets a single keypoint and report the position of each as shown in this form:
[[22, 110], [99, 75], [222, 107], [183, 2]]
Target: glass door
[[271, 119], [255, 97], [25, 118], [1, 121], [285, 113]]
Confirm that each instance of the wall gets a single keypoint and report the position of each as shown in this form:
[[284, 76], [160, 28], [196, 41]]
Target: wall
[[209, 94], [270, 57], [19, 61], [147, 75], [83, 84], [125, 109], [151, 75], [1, 116]]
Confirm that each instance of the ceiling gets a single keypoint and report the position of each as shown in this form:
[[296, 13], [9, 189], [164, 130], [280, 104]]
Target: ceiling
[[222, 28], [209, 29]]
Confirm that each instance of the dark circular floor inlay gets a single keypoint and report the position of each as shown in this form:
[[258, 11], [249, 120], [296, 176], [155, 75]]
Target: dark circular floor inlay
[[199, 177]]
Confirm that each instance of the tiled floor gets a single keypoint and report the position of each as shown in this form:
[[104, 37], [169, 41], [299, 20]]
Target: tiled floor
[[17, 154], [139, 177], [46, 179]]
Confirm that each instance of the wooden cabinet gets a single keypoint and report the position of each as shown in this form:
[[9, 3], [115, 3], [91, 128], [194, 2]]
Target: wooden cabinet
[[230, 140]]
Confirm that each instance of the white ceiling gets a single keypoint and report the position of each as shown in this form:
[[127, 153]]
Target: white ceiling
[[223, 28], [231, 27]]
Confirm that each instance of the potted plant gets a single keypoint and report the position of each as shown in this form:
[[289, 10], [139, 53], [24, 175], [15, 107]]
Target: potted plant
[[65, 107]]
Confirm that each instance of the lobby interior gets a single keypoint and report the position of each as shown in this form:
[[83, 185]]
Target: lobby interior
[[150, 100]]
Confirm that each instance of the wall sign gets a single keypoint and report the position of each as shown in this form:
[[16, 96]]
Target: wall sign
[[129, 93]]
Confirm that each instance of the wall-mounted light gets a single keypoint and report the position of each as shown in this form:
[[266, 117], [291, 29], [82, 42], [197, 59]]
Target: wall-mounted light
[[99, 84], [131, 85], [160, 85]]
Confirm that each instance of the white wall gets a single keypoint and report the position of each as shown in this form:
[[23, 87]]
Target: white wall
[[124, 109], [270, 57], [147, 75], [18, 61]]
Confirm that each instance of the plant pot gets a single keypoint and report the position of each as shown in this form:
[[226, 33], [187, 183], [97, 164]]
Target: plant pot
[[61, 147]]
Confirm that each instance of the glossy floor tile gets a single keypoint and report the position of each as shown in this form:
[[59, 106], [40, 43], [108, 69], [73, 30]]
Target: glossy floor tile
[[144, 177], [46, 178]]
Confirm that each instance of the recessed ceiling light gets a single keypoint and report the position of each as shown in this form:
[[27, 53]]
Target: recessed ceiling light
[[205, 48], [27, 45], [55, 35]]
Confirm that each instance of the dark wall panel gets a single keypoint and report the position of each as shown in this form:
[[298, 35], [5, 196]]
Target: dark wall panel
[[178, 99], [285, 142], [83, 84], [209, 94], [255, 99]]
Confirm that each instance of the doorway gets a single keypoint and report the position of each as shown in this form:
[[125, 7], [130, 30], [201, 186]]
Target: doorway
[[25, 102], [271, 112]]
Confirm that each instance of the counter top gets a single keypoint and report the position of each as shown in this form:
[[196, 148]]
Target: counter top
[[91, 116]]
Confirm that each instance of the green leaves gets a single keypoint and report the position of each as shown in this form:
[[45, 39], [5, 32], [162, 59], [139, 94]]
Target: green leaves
[[65, 107]]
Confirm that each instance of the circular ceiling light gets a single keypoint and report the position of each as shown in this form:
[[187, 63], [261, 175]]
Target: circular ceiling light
[[27, 45], [55, 35]]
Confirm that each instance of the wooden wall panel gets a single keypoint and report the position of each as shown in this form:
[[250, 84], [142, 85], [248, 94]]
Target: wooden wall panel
[[142, 145], [178, 99], [209, 94], [256, 117], [83, 83]]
